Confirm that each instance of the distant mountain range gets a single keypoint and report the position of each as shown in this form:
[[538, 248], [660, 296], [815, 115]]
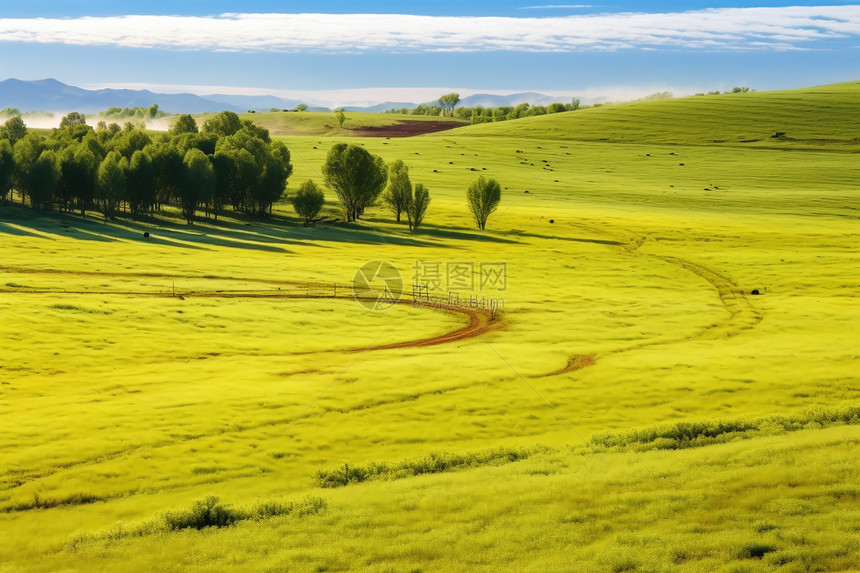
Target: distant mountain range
[[50, 95], [53, 96]]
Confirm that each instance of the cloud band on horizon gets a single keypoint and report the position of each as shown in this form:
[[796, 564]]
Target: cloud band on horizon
[[787, 28]]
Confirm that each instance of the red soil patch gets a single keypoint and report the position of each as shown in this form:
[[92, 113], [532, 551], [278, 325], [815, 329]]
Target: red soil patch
[[480, 322], [407, 128], [577, 362]]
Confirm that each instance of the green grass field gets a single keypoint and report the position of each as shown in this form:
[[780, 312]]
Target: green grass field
[[633, 408]]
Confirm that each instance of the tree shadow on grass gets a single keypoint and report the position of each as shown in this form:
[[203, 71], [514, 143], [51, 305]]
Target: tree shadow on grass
[[7, 229], [447, 233]]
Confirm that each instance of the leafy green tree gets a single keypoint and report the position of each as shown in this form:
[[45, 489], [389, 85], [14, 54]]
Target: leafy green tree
[[417, 207], [341, 117], [24, 154], [152, 111], [483, 197], [42, 180], [308, 201], [463, 113], [261, 182], [575, 104], [73, 119], [198, 183], [141, 183], [269, 188], [167, 161], [205, 142], [302, 107], [356, 176], [448, 102], [78, 170], [399, 192], [556, 108], [273, 179], [185, 124], [130, 141], [256, 131], [110, 184], [107, 133], [226, 171], [14, 129], [224, 124], [7, 167]]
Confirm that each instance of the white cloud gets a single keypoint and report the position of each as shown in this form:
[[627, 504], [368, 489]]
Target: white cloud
[[784, 28]]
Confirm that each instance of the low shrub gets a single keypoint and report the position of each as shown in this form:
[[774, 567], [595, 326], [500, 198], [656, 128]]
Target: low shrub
[[436, 462]]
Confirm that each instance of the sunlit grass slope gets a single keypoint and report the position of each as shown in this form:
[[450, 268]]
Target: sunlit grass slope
[[809, 117], [638, 409]]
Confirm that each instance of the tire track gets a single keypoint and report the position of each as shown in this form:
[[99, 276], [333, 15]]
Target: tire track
[[743, 315]]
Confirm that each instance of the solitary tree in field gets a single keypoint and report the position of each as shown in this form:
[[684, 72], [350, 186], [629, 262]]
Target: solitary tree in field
[[341, 117], [417, 206], [399, 192], [185, 124], [356, 176], [308, 201], [448, 102], [483, 197]]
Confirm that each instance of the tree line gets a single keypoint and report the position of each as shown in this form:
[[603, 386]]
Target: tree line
[[480, 114], [229, 163]]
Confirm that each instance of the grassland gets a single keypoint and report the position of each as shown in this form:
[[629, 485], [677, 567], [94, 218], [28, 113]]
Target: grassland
[[637, 409], [326, 124]]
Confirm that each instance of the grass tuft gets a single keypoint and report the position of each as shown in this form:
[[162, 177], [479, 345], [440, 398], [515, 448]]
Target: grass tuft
[[683, 435], [436, 462]]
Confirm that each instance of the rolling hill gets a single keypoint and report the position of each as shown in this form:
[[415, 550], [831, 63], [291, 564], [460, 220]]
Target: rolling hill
[[823, 115]]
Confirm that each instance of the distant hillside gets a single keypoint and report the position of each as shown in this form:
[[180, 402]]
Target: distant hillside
[[258, 103], [817, 116], [50, 95], [53, 96], [489, 100]]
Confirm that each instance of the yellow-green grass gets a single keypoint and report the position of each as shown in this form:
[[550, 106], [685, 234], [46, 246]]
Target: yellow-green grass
[[120, 402], [311, 123], [809, 117]]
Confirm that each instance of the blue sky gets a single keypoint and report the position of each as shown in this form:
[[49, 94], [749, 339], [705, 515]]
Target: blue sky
[[348, 52]]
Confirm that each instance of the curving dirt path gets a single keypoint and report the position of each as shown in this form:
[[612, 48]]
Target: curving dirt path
[[481, 321]]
